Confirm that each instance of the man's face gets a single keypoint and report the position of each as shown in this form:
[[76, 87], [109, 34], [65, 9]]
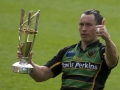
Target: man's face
[[87, 28]]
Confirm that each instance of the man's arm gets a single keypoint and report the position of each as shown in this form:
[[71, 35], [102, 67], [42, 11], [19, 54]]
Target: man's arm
[[41, 73], [111, 55]]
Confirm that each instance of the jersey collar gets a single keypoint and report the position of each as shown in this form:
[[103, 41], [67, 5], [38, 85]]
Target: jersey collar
[[90, 45]]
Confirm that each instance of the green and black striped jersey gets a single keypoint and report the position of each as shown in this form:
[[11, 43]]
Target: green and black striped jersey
[[82, 69]]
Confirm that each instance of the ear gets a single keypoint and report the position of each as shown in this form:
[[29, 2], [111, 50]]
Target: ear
[[103, 21]]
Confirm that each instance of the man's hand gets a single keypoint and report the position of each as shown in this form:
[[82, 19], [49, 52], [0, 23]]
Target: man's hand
[[20, 55], [102, 31]]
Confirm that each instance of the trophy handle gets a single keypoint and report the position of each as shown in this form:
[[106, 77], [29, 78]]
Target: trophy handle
[[36, 26]]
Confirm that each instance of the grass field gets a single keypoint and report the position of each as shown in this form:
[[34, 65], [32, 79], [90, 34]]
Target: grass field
[[58, 27]]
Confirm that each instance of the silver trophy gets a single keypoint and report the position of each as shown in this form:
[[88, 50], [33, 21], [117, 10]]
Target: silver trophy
[[26, 41]]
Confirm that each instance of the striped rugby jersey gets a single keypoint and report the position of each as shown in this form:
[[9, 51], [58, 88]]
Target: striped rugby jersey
[[82, 69]]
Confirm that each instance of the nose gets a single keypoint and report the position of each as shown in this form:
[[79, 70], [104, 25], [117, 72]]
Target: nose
[[83, 28]]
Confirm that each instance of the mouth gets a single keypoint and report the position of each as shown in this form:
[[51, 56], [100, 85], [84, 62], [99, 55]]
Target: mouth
[[84, 35]]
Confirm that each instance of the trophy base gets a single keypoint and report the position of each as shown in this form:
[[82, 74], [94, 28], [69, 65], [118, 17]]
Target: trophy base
[[22, 69]]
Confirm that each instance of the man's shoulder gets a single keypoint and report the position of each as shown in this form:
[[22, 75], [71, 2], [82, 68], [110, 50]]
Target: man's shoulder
[[66, 48], [70, 46]]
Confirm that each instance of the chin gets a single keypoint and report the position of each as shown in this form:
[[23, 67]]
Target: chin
[[86, 40]]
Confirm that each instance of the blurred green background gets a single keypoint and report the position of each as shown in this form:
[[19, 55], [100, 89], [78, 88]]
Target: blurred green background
[[58, 27]]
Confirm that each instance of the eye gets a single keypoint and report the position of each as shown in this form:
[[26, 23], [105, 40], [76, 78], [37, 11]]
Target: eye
[[88, 24], [81, 24]]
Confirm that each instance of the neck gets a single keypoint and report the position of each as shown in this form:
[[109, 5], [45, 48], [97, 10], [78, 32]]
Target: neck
[[85, 44]]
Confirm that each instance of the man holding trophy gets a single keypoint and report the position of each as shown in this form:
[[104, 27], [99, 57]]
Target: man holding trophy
[[85, 65]]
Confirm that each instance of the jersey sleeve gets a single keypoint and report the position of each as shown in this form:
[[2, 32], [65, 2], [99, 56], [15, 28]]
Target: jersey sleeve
[[102, 54], [55, 64]]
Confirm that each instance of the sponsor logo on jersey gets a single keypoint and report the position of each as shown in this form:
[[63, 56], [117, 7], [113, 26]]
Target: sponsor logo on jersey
[[82, 65], [70, 53], [91, 53]]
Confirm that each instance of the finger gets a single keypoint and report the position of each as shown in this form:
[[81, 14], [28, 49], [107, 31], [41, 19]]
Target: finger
[[19, 52], [103, 21], [19, 57], [30, 57], [31, 53], [99, 26]]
